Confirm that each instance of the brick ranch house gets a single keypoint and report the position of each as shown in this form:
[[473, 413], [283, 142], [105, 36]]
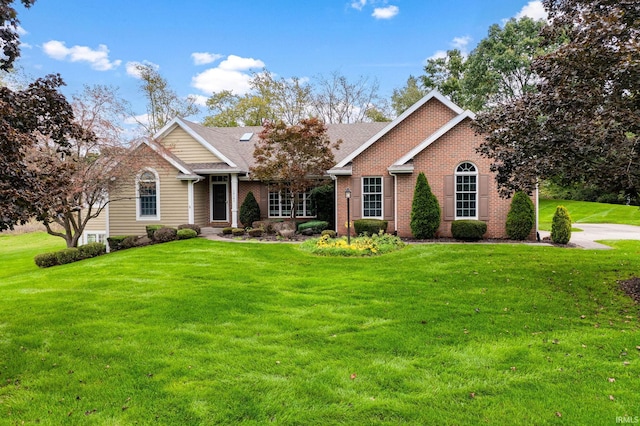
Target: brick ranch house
[[201, 175]]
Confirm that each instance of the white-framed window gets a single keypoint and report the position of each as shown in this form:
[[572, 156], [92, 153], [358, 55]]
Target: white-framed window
[[148, 195], [466, 191], [372, 197], [94, 237], [280, 204]]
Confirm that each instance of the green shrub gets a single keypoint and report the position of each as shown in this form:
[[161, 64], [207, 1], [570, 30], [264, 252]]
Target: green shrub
[[521, 217], [360, 246], [265, 225], [468, 230], [255, 232], [237, 232], [316, 226], [130, 242], [191, 226], [425, 210], [330, 232], [186, 233], [323, 203], [561, 226], [151, 229], [166, 234], [46, 260], [92, 250], [249, 210], [369, 226], [115, 242], [227, 231], [68, 255]]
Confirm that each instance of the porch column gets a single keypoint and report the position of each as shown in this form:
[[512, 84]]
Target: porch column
[[234, 200], [190, 202]]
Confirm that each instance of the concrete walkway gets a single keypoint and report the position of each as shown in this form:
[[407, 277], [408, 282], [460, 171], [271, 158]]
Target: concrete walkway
[[592, 232]]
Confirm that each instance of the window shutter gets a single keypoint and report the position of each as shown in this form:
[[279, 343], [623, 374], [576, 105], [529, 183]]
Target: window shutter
[[263, 201], [449, 198], [387, 206], [483, 197], [356, 198]]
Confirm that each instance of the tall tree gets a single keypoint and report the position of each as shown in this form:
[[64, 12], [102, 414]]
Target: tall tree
[[76, 182], [293, 159], [446, 75], [583, 122], [9, 37], [402, 99], [163, 104]]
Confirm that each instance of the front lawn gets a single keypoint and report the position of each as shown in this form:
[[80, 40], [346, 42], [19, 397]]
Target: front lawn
[[203, 332], [588, 212]]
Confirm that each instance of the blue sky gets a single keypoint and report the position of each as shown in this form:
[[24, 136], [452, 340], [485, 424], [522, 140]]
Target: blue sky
[[203, 46]]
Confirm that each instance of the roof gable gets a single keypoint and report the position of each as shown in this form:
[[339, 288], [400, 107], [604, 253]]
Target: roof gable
[[434, 94]]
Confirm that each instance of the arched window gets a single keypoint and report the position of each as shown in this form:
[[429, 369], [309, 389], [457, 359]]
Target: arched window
[[147, 195], [466, 191]]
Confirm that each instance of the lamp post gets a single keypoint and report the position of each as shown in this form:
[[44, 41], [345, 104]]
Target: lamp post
[[347, 194]]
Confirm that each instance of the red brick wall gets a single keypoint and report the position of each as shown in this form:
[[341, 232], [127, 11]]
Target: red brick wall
[[437, 161]]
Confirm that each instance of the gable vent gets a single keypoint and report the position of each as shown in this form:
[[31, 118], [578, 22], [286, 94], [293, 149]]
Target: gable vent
[[246, 137]]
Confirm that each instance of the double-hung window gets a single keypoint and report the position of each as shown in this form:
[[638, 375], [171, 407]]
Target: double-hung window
[[466, 191], [147, 195], [372, 197], [280, 204]]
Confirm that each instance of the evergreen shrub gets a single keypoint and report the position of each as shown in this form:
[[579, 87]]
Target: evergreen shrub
[[227, 231], [425, 210], [46, 260], [316, 226], [151, 229], [249, 210], [468, 230], [369, 226], [561, 226], [191, 226], [521, 217], [186, 233], [330, 232], [164, 235], [92, 250], [68, 255]]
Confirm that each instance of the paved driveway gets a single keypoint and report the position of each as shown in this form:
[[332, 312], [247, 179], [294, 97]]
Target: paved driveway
[[600, 231]]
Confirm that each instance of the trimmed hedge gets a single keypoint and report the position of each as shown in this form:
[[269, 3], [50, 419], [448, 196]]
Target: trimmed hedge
[[166, 234], [369, 226], [69, 255], [186, 233], [46, 260], [468, 230], [227, 231], [151, 229], [115, 242], [316, 226], [191, 226], [92, 250], [330, 232], [521, 217], [237, 231], [256, 232]]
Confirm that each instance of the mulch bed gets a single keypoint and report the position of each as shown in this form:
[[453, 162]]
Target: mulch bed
[[631, 287]]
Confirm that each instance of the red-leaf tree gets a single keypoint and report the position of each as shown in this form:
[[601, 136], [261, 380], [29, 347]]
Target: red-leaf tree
[[583, 122], [293, 159]]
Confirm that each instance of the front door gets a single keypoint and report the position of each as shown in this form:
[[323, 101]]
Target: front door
[[219, 202]]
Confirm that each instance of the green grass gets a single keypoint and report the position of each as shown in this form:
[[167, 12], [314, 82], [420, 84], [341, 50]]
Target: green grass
[[587, 212], [202, 332]]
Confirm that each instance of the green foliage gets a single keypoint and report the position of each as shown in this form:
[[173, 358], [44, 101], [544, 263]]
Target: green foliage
[[330, 232], [92, 250], [369, 226], [521, 217], [360, 246], [425, 210], [316, 226], [323, 202], [255, 232], [164, 235], [186, 233], [130, 242], [227, 231], [237, 232], [68, 255], [561, 226], [115, 242], [403, 99], [46, 260], [151, 229], [249, 210], [196, 228], [468, 230]]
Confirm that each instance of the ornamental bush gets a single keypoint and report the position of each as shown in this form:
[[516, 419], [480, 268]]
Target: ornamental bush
[[521, 217], [561, 226], [186, 233], [255, 232], [68, 255], [191, 226], [425, 210], [468, 230], [323, 202], [92, 250], [151, 229], [237, 232], [115, 242], [249, 210], [227, 230], [369, 226], [46, 260], [164, 235], [330, 232], [315, 226]]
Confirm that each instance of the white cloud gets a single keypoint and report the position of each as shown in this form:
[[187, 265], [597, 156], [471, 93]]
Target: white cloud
[[385, 12], [203, 58], [21, 31], [461, 43], [358, 4], [534, 10], [199, 100], [230, 74], [440, 54], [98, 58], [132, 67]]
